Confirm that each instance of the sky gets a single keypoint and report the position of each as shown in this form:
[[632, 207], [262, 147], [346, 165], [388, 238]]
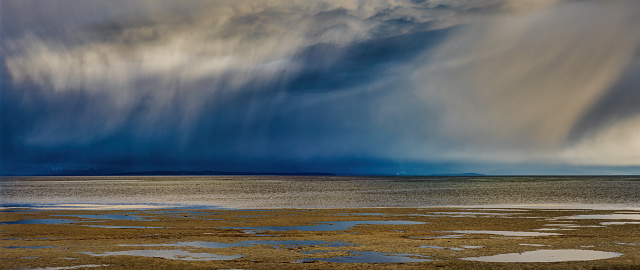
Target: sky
[[338, 86]]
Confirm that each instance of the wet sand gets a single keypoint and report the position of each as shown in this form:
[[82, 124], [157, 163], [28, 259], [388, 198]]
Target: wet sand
[[371, 238]]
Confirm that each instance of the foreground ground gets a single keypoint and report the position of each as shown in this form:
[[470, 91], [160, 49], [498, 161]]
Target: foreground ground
[[399, 238]]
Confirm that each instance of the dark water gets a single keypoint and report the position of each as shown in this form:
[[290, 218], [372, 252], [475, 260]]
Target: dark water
[[321, 192]]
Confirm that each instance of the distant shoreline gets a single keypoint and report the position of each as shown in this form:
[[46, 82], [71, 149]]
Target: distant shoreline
[[224, 173]]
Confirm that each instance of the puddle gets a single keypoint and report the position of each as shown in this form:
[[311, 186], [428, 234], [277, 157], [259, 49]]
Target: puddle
[[329, 225], [619, 223], [507, 233], [122, 227], [611, 216], [318, 252], [439, 247], [30, 258], [627, 244], [558, 255], [499, 209], [169, 254], [111, 217], [441, 237], [255, 233], [272, 243], [30, 247], [573, 226], [40, 221], [362, 214], [71, 267], [465, 214], [416, 215], [370, 257], [472, 247], [99, 206], [535, 245]]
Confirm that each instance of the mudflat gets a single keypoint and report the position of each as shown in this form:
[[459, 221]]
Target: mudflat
[[371, 238]]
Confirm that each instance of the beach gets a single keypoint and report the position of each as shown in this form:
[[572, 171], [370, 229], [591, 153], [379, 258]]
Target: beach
[[133, 237], [324, 134]]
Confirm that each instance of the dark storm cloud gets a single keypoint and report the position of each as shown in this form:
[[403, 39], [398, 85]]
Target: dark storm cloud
[[286, 85], [205, 87]]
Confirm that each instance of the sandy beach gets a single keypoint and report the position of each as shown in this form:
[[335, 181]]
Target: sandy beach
[[371, 238]]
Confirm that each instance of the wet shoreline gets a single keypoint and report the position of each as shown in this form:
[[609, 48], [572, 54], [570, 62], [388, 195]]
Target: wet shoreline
[[437, 237]]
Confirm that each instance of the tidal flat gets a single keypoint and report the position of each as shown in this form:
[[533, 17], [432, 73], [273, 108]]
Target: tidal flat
[[337, 238]]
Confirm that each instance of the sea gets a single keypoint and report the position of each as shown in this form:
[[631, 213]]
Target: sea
[[264, 192]]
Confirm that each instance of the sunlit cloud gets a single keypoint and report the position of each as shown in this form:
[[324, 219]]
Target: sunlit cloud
[[197, 81], [517, 85]]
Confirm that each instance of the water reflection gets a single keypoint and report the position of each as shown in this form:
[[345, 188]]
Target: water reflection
[[611, 216], [330, 225], [272, 243], [558, 255], [123, 227], [30, 247], [439, 247], [71, 267], [371, 257], [507, 233], [110, 217], [40, 221], [168, 254]]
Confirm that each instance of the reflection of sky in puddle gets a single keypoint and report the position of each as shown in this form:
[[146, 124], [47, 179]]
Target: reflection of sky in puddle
[[507, 233], [112, 217], [471, 247], [186, 255], [330, 225], [71, 267], [30, 247], [40, 221], [30, 257], [439, 247], [257, 233], [555, 229], [559, 255], [628, 244], [619, 223], [273, 243], [168, 254], [535, 245], [573, 226], [498, 209], [611, 216], [441, 236], [97, 206], [362, 214], [554, 207], [470, 213], [123, 227], [370, 257]]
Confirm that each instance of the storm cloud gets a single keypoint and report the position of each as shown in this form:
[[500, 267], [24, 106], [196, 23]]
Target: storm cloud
[[339, 86]]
